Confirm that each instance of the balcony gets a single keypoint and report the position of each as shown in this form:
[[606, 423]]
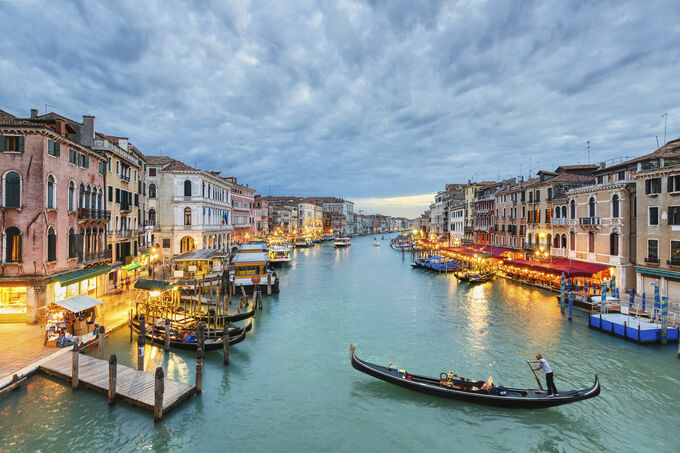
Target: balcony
[[125, 207], [124, 234], [589, 221], [652, 260], [93, 214], [673, 262], [562, 221], [91, 257], [125, 178]]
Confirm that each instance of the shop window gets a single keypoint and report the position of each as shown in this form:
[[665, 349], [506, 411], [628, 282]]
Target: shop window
[[12, 190], [12, 302], [12, 245], [653, 218], [51, 245], [614, 244]]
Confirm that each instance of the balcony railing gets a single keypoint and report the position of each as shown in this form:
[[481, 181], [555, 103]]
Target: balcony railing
[[93, 214], [125, 178], [124, 234], [562, 221], [652, 260], [125, 207], [90, 257], [589, 221], [673, 262]]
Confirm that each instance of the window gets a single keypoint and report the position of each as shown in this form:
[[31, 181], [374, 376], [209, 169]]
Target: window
[[557, 242], [523, 212], [572, 240], [71, 196], [152, 216], [187, 216], [523, 197], [136, 199], [72, 156], [109, 198], [549, 193], [653, 186], [548, 215], [72, 244], [53, 148], [674, 215], [622, 175], [531, 197], [591, 242], [187, 188], [600, 179], [152, 172], [564, 241], [653, 218], [673, 183], [12, 245], [166, 243], [152, 190], [572, 209], [108, 163], [102, 167], [538, 196], [591, 207], [84, 160], [50, 192], [51, 245], [11, 143], [615, 206], [652, 250], [117, 195], [614, 244], [12, 190], [675, 252], [117, 167]]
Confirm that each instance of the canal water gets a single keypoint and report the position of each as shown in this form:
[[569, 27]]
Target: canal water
[[290, 386]]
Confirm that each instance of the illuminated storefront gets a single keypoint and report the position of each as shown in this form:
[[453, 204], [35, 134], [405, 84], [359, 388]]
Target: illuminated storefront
[[13, 303], [87, 281]]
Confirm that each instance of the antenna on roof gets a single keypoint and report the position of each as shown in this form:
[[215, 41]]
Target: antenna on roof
[[665, 121], [657, 142], [588, 145]]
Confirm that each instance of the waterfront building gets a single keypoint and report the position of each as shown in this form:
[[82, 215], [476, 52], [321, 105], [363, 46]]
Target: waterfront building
[[261, 217], [54, 216], [306, 218], [335, 222], [484, 205], [189, 209], [657, 185], [243, 198], [456, 219], [508, 232], [334, 204]]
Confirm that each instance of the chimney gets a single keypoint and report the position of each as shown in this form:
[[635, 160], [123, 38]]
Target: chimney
[[602, 165], [87, 131], [34, 113]]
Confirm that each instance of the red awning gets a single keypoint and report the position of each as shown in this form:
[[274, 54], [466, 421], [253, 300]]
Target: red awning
[[570, 268]]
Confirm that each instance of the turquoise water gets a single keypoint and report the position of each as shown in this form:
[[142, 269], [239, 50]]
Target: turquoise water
[[290, 386]]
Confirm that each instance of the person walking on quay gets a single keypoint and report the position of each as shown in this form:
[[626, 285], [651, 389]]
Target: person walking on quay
[[545, 366]]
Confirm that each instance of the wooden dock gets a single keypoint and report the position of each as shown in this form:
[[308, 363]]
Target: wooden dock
[[136, 387]]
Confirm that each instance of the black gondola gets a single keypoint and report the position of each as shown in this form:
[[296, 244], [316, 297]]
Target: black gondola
[[231, 317], [236, 335], [460, 389]]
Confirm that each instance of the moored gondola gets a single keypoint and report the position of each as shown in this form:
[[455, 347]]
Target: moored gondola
[[212, 342], [479, 392], [230, 317]]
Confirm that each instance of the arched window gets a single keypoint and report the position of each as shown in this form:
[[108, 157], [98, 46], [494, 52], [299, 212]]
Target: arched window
[[93, 197], [591, 207], [572, 208], [557, 241], [72, 243], [557, 212], [187, 216], [614, 244], [86, 198], [152, 190], [591, 242], [100, 200], [81, 196], [537, 239], [71, 196], [12, 245], [564, 212], [50, 193], [564, 241], [572, 240], [51, 245], [187, 188], [615, 207], [152, 216], [12, 190]]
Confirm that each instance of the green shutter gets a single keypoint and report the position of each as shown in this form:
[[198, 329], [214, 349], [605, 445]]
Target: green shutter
[[21, 144], [50, 146], [57, 149], [86, 161], [2, 143]]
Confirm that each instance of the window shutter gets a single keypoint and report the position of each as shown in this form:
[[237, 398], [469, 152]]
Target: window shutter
[[57, 149], [2, 143], [117, 195], [21, 144], [50, 146]]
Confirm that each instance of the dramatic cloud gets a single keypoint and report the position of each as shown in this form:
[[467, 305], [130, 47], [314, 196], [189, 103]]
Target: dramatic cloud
[[357, 99]]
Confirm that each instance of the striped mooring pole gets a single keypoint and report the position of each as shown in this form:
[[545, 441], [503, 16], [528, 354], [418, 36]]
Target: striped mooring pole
[[571, 305], [664, 320]]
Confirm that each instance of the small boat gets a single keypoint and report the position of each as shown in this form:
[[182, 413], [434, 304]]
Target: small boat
[[211, 342], [479, 278], [462, 389], [376, 244], [229, 317], [251, 269], [342, 242], [279, 254], [303, 242]]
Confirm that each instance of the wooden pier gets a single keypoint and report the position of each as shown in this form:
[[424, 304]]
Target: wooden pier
[[152, 392]]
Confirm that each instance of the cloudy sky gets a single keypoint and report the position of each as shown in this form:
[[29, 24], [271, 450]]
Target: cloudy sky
[[380, 102]]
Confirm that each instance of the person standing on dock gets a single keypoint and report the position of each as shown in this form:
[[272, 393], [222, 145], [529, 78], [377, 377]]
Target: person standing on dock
[[545, 366]]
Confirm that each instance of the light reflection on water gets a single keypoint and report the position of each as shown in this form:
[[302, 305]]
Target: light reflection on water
[[289, 386]]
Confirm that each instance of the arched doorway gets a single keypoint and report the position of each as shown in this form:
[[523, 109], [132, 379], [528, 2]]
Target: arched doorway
[[187, 243]]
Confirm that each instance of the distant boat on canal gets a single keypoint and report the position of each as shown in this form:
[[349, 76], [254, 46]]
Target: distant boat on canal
[[279, 254], [342, 242]]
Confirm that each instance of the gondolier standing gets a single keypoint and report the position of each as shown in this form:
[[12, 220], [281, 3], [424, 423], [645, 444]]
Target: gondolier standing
[[545, 366]]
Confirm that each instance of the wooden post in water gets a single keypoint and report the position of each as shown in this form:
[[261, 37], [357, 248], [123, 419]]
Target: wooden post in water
[[159, 389], [225, 343], [259, 297], [269, 284], [199, 359], [141, 343], [101, 341], [74, 365], [130, 325], [571, 304], [167, 334], [113, 374], [142, 324]]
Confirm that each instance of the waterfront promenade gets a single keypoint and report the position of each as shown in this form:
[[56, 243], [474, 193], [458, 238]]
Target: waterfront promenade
[[290, 386]]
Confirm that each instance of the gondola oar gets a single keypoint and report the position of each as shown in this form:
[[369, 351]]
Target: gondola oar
[[537, 379]]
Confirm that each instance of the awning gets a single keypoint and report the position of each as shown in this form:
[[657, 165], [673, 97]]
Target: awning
[[570, 268], [154, 285], [78, 303], [144, 252], [75, 277], [657, 272], [131, 267]]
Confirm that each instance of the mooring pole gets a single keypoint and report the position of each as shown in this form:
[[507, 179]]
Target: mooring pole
[[141, 343], [159, 389], [74, 365], [101, 341], [113, 374]]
